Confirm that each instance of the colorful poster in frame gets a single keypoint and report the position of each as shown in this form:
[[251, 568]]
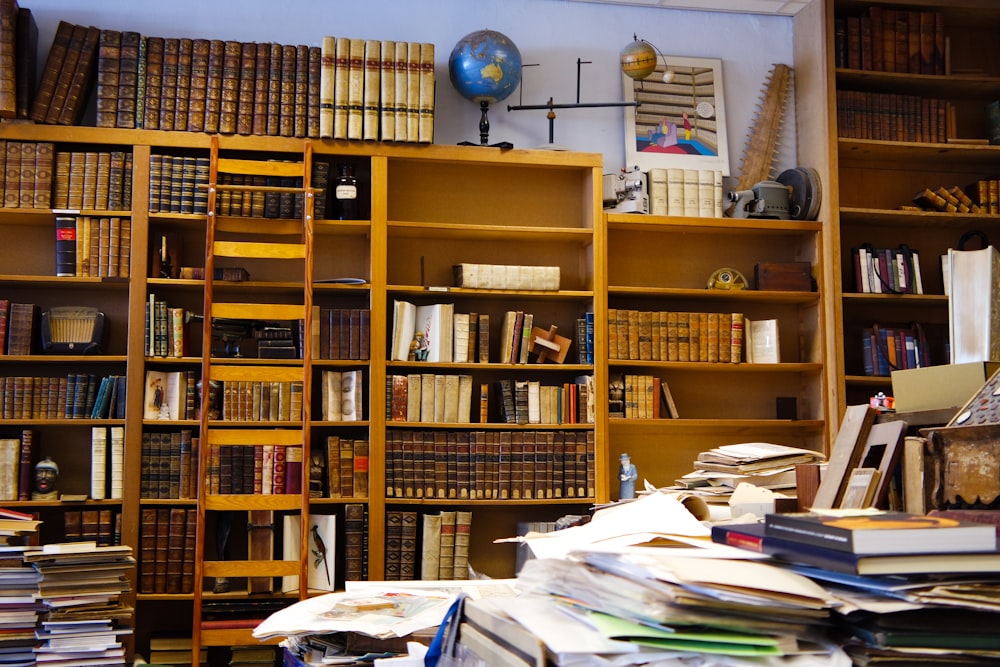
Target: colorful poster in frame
[[680, 123]]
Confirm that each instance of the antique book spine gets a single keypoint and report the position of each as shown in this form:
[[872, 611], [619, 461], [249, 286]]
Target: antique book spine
[[408, 547], [463, 533], [262, 70], [430, 561], [346, 468], [300, 105], [278, 471], [26, 467], [50, 72], [314, 67], [425, 122], [293, 470], [126, 108], [168, 83], [371, 89], [125, 248], [147, 549], [98, 462], [387, 87], [102, 181], [188, 556], [400, 91], [229, 96], [393, 543], [65, 246], [342, 72], [286, 115], [355, 519], [274, 90], [356, 89], [413, 92], [108, 63], [446, 562], [213, 84], [67, 69], [326, 86], [245, 88], [21, 328], [198, 89], [8, 58], [154, 83], [177, 525]]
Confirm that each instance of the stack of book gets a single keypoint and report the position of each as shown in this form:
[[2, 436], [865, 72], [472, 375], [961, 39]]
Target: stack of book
[[642, 335], [942, 568], [767, 465], [19, 604], [166, 550], [82, 586]]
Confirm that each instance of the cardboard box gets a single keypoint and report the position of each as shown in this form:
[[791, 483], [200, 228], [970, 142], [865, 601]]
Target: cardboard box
[[939, 387]]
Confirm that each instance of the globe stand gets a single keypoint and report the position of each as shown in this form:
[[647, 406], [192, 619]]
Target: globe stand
[[484, 131]]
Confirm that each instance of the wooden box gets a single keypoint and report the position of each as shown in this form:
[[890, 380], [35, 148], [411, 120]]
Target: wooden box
[[965, 461], [783, 276]]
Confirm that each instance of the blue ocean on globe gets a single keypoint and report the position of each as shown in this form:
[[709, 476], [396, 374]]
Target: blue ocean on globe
[[485, 66]]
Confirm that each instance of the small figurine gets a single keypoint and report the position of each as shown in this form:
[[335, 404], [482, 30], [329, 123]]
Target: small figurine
[[46, 475], [627, 474], [317, 468]]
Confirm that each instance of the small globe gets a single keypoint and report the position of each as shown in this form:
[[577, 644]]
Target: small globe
[[638, 59], [485, 66]]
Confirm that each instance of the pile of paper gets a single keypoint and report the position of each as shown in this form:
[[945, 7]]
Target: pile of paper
[[771, 466]]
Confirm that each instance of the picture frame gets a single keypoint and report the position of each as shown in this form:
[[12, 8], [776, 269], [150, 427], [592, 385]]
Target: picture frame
[[681, 124]]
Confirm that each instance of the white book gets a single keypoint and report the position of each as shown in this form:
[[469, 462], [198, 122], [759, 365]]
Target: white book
[[440, 397], [534, 402], [434, 322], [98, 462], [117, 436], [413, 389], [451, 399], [656, 184], [334, 394], [404, 316], [464, 399], [675, 192], [691, 207], [763, 345], [918, 283], [328, 55], [706, 193], [460, 344], [974, 305], [348, 400]]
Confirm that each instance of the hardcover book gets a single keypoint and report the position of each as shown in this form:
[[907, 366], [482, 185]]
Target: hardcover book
[[753, 537], [871, 532]]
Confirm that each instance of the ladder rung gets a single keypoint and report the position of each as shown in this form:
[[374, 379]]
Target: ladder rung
[[247, 501], [251, 568], [254, 436], [261, 167], [261, 373], [259, 311], [257, 249]]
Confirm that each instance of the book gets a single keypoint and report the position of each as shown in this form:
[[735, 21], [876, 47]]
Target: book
[[874, 532], [50, 71], [79, 82], [355, 88], [446, 556], [753, 537], [463, 531], [371, 112], [425, 98], [326, 86], [10, 457], [973, 310], [25, 61]]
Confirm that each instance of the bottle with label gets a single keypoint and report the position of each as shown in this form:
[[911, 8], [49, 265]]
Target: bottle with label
[[346, 193]]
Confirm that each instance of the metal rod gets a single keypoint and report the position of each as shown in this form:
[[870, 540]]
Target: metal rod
[[578, 105]]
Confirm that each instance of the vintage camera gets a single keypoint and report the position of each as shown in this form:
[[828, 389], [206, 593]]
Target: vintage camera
[[625, 192]]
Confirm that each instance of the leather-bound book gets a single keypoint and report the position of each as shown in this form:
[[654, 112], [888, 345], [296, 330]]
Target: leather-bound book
[[67, 68], [26, 59], [356, 89], [413, 92], [21, 328], [108, 62], [50, 73], [408, 547], [147, 550], [154, 83], [80, 82], [400, 88], [230, 86], [182, 95], [261, 72], [168, 83], [446, 561], [162, 542], [213, 85], [314, 67], [128, 81], [198, 88], [188, 557], [245, 88], [463, 534], [300, 109], [342, 76], [286, 114], [274, 90], [355, 521], [387, 86], [8, 59], [175, 549], [326, 86], [393, 543]]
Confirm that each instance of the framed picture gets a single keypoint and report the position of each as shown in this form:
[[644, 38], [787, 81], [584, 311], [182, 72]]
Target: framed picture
[[680, 124]]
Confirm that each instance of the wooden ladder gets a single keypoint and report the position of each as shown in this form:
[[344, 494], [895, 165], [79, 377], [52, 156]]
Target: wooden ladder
[[279, 299]]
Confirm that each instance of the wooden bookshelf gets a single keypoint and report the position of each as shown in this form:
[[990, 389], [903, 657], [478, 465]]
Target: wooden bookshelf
[[873, 178]]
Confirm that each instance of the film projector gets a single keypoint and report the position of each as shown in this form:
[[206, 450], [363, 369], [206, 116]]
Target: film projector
[[796, 194]]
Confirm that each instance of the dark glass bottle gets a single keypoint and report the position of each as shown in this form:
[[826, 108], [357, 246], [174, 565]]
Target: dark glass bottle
[[345, 192]]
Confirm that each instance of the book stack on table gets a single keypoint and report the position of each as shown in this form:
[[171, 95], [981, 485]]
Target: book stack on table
[[903, 578]]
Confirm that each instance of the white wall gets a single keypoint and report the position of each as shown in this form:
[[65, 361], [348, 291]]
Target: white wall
[[552, 33]]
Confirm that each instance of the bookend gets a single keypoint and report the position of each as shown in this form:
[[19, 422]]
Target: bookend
[[547, 344]]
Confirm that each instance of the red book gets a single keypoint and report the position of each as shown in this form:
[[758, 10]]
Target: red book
[[293, 470], [26, 472]]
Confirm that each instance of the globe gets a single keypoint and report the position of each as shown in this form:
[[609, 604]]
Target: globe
[[638, 59], [485, 66]]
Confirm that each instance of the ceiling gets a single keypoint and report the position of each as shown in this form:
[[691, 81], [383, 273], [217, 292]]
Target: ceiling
[[771, 7]]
